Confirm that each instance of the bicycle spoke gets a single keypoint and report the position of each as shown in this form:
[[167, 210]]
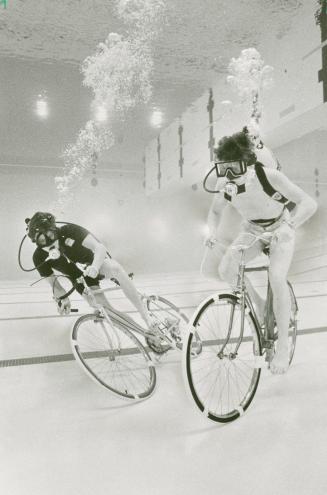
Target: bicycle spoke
[[114, 357]]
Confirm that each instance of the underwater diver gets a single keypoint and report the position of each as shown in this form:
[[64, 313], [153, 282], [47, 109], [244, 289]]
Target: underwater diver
[[60, 248], [262, 197]]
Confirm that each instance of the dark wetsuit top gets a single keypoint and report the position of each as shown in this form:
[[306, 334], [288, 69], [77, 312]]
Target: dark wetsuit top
[[70, 238]]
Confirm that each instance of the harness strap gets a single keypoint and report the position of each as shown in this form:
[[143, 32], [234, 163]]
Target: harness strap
[[267, 187], [266, 222]]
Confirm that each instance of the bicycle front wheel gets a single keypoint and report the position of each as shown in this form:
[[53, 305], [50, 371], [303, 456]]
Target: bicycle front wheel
[[223, 378], [113, 357]]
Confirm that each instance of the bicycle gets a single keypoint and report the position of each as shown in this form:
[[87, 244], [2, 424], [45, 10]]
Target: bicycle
[[104, 344], [223, 380]]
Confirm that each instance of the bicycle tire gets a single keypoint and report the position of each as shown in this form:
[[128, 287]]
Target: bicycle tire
[[203, 374], [113, 357]]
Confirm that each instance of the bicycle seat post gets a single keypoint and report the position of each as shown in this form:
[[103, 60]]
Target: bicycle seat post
[[240, 292], [240, 286]]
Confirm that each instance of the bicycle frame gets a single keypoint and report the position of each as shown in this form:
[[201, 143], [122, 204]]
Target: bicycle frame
[[266, 330], [108, 313], [113, 316], [240, 291], [120, 319]]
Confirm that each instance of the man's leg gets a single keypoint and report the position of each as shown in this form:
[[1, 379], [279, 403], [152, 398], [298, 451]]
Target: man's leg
[[229, 267], [281, 253], [211, 260], [112, 269], [103, 301], [228, 229]]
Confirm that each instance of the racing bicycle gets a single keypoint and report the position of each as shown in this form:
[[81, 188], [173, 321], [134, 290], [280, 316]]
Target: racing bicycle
[[223, 379], [105, 345]]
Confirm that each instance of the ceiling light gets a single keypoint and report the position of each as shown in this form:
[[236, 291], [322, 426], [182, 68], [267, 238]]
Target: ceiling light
[[156, 118], [42, 109]]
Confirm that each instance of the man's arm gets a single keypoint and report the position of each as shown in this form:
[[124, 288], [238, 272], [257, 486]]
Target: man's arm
[[45, 271], [99, 251], [56, 287], [305, 205], [214, 217], [58, 291]]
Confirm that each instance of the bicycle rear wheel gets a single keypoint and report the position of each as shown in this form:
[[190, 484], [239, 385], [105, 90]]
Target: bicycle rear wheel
[[113, 357], [222, 382]]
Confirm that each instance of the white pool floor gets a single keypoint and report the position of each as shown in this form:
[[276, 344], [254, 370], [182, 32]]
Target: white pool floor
[[62, 434]]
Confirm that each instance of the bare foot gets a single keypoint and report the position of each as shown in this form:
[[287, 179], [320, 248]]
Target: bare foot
[[279, 364]]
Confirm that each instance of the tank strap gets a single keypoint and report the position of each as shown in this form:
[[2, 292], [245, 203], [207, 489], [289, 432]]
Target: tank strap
[[266, 186]]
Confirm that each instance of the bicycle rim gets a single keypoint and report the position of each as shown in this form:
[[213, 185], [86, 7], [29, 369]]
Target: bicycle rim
[[222, 386], [113, 357]]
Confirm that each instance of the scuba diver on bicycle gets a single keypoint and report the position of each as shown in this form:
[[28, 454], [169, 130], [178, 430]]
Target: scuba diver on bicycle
[[262, 196], [60, 248]]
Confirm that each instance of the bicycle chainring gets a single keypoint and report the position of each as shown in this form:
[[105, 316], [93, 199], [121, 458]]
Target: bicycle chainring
[[157, 345]]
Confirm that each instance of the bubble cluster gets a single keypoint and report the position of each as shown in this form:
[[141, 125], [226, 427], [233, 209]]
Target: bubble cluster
[[119, 74], [250, 77], [248, 74]]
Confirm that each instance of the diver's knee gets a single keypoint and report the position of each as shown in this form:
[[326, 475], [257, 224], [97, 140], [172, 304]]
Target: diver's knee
[[110, 268]]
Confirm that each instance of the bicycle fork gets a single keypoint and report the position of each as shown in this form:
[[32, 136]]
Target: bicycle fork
[[113, 348]]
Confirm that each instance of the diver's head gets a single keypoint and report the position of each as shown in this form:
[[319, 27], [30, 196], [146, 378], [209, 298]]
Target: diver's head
[[237, 147], [233, 155], [42, 229]]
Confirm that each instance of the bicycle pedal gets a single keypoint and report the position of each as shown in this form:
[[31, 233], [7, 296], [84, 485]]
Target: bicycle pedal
[[269, 354], [157, 345], [175, 336], [268, 344]]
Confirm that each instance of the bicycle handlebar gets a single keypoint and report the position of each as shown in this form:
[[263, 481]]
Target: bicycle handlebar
[[244, 247]]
